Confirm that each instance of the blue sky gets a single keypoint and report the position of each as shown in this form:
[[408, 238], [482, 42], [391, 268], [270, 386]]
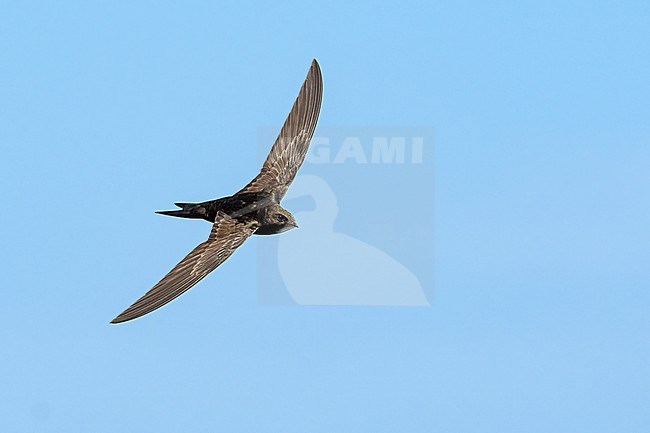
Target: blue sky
[[112, 110]]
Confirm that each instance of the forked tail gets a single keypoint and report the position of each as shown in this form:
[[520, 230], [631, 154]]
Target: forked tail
[[188, 210]]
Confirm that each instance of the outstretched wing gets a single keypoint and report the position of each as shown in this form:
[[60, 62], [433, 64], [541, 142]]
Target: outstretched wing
[[289, 150], [226, 235]]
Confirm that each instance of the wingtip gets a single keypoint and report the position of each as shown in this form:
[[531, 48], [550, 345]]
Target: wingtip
[[121, 318]]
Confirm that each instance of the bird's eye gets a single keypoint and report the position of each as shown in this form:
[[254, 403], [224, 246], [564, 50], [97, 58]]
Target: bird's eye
[[281, 218]]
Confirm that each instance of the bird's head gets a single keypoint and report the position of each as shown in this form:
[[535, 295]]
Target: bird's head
[[276, 219], [282, 218]]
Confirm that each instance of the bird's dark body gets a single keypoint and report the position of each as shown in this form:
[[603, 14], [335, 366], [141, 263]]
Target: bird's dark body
[[244, 207]]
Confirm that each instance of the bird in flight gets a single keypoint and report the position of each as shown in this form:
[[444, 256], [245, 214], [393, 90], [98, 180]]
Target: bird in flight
[[255, 209]]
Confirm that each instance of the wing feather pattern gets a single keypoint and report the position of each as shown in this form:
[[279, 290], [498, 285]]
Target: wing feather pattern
[[290, 148], [226, 236]]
